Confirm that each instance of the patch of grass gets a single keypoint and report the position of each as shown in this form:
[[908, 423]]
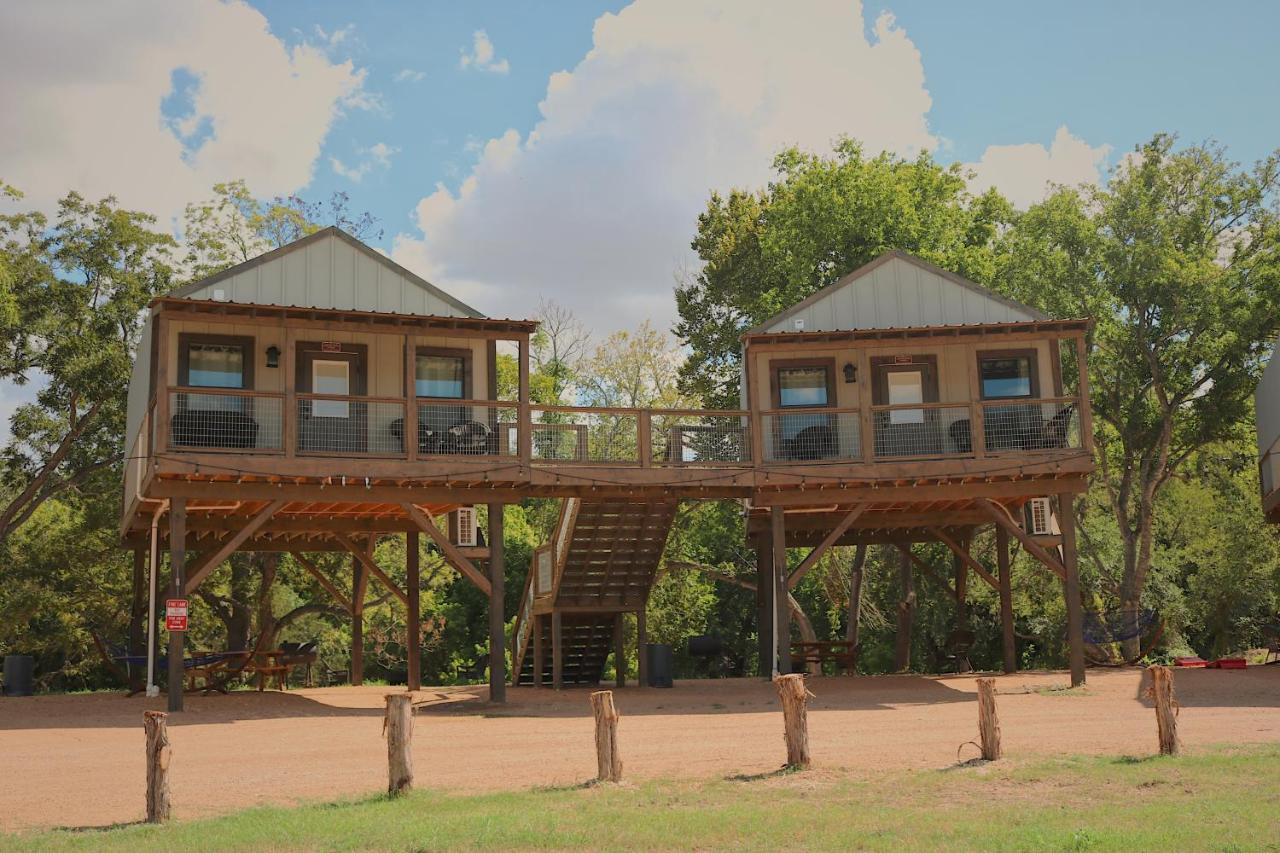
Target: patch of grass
[[1221, 799], [1082, 690]]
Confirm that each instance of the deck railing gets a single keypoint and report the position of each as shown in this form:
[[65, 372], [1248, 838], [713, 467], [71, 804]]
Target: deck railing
[[218, 419]]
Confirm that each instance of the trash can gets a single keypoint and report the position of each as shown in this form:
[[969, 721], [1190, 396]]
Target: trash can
[[661, 663], [18, 675]]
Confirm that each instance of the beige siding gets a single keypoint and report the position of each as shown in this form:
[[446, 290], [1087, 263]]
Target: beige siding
[[899, 294], [329, 272]]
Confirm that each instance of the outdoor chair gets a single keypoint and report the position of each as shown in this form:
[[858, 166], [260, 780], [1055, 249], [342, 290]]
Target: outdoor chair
[[213, 428], [956, 651], [812, 442]]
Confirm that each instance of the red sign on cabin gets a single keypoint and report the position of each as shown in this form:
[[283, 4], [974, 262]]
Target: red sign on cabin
[[175, 614], [330, 346]]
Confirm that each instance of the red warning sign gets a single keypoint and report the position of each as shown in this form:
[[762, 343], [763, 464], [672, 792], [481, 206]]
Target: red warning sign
[[175, 614]]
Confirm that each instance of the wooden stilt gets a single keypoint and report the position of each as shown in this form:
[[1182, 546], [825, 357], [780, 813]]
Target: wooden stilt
[[156, 726], [399, 733], [766, 587], [497, 613], [413, 624], [642, 640], [608, 758], [795, 698], [359, 583], [988, 722], [1161, 693], [539, 659], [619, 652], [906, 611], [1071, 587], [1008, 646], [177, 583], [557, 651], [782, 640], [961, 570]]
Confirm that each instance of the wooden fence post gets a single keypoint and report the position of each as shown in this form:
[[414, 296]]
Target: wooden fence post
[[399, 731], [608, 758], [795, 697], [1166, 709], [155, 724], [988, 722]]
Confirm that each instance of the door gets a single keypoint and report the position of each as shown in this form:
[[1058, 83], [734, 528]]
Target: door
[[330, 425], [903, 381]]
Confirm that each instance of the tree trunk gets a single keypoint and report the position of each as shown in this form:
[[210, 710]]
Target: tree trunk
[[1166, 709], [906, 612], [855, 594], [795, 697], [155, 724], [399, 731], [608, 758]]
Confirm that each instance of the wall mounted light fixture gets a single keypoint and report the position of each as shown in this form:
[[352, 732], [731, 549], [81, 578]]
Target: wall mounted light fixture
[[850, 372], [273, 356]]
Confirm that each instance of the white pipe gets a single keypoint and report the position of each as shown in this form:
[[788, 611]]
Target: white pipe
[[152, 688]]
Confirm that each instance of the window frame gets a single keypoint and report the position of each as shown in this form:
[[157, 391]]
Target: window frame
[[246, 342], [465, 355], [1032, 356], [776, 366]]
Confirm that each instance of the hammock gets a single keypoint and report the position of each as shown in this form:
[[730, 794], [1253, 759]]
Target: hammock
[[1111, 628]]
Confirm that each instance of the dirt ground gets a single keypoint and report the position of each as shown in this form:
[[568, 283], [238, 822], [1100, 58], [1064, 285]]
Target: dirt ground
[[78, 760]]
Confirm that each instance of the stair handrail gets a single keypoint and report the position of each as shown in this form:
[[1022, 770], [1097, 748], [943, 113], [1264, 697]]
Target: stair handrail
[[560, 541], [522, 628], [558, 546]]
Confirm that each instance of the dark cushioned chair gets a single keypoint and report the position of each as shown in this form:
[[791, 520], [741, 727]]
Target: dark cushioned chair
[[211, 428]]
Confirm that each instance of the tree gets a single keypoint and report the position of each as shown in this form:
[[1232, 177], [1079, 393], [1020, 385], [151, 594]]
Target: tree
[[78, 286], [821, 219], [1178, 262], [234, 226]]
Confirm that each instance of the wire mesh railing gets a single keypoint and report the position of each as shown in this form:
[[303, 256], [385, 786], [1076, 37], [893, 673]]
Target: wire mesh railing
[[467, 428], [810, 435], [225, 419], [698, 438], [574, 434], [348, 425], [1018, 425], [927, 429]]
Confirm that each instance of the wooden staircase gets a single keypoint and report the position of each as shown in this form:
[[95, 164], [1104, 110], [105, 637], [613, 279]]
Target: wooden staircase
[[598, 566]]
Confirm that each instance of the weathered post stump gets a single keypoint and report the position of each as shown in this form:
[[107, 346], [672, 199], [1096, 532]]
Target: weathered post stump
[[398, 727], [155, 724], [795, 698], [608, 758], [988, 722], [1166, 709]]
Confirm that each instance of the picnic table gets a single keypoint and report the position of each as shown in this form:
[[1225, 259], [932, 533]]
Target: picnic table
[[843, 652]]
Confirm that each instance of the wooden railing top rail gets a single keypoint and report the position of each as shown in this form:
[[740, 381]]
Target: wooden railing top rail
[[233, 392], [627, 410]]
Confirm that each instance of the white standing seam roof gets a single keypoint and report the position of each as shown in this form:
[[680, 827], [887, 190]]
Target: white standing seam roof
[[328, 269], [898, 291]]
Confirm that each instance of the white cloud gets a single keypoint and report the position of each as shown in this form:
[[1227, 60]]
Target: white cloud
[[1025, 173], [482, 55], [82, 97], [596, 206], [377, 156], [409, 75]]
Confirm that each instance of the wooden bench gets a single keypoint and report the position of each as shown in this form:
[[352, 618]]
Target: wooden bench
[[843, 652]]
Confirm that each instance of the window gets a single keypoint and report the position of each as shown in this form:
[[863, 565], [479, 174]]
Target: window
[[441, 376], [803, 386], [213, 361], [905, 387], [1008, 375], [330, 377]]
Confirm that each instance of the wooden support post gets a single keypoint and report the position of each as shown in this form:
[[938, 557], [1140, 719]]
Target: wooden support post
[[137, 612], [1008, 646], [1161, 693], [1085, 407], [795, 698], [619, 652], [608, 758], [557, 651], [410, 423], [1071, 588], [177, 583], [906, 611], [642, 640], [399, 733], [988, 722], [497, 612], [359, 583], [781, 608], [539, 658], [524, 420], [156, 726], [961, 569], [765, 587], [413, 626]]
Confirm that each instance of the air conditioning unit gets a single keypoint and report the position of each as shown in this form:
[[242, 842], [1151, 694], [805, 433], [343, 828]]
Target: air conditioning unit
[[466, 527], [1040, 517]]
